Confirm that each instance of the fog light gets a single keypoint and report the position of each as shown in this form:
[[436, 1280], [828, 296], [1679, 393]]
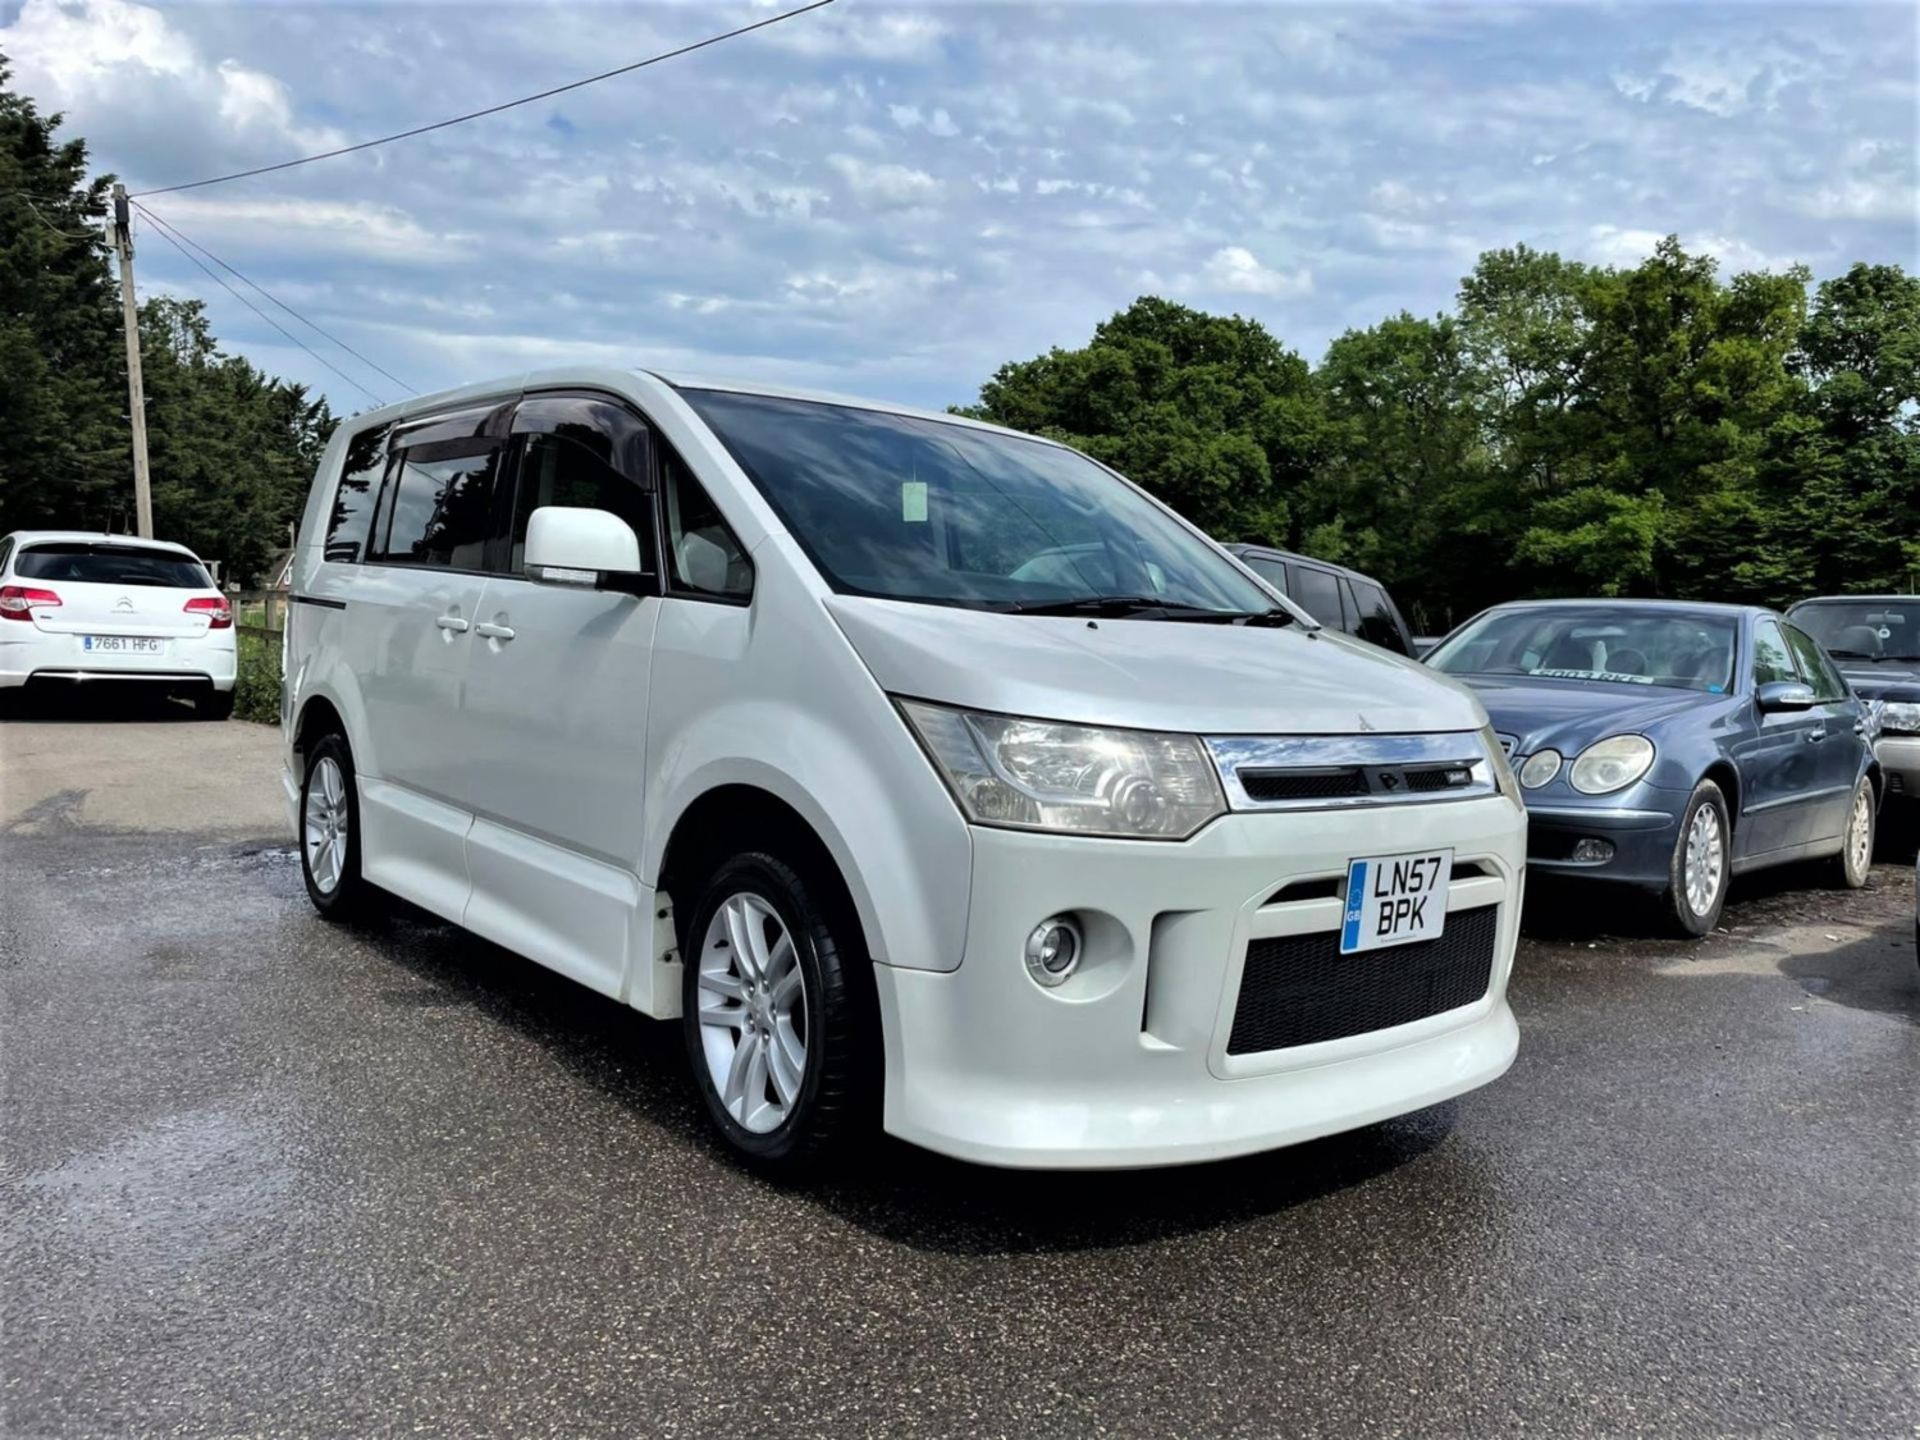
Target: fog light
[[1592, 852], [1053, 950]]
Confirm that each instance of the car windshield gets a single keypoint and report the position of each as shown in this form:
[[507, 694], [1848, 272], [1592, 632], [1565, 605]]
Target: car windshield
[[910, 509], [1627, 647], [1864, 629], [89, 563]]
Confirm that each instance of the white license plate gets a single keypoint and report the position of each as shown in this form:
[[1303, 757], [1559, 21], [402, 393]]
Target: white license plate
[[1395, 900], [123, 644]]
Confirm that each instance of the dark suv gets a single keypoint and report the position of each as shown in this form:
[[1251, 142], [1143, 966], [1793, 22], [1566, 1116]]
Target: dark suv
[[1339, 598], [1875, 640]]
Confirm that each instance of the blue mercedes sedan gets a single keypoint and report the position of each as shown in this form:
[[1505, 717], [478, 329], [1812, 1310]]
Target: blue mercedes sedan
[[1669, 746]]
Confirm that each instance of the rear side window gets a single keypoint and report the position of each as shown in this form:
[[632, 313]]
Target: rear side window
[[1271, 571], [354, 497], [6, 549], [557, 470], [441, 509], [87, 563], [1318, 591], [1377, 621]]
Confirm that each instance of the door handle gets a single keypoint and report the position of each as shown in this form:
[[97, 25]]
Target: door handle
[[492, 631], [451, 622], [1814, 737]]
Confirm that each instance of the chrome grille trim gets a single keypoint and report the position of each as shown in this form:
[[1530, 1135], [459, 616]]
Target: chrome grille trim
[[1384, 755], [1508, 744]]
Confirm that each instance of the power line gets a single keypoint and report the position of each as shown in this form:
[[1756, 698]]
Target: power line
[[179, 234], [216, 278], [492, 109], [22, 197]]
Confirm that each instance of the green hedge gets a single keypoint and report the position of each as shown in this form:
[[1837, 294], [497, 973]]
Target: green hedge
[[256, 687]]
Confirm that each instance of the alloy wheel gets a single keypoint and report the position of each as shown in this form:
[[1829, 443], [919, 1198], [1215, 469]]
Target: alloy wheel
[[1860, 832], [753, 1012], [1705, 864], [325, 824]]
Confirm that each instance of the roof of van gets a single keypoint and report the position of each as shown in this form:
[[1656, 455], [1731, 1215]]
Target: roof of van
[[91, 537], [596, 376]]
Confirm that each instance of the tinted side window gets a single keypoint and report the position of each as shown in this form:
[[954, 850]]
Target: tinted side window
[[1771, 658], [354, 497], [1814, 665], [440, 511], [1319, 592], [1377, 622], [558, 470], [703, 557], [1273, 572], [6, 553]]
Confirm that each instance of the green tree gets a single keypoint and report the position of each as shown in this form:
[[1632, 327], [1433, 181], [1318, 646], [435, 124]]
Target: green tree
[[231, 449], [64, 450], [1211, 413]]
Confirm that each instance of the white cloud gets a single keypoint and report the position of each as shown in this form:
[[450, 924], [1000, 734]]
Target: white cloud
[[1235, 270], [884, 184], [1886, 198]]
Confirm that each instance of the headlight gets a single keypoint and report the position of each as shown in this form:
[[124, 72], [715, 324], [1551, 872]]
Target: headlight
[[1502, 771], [1611, 764], [1074, 779], [1900, 717], [1541, 767]]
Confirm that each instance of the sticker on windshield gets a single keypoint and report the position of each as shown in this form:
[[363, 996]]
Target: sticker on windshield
[[913, 500], [1613, 675]]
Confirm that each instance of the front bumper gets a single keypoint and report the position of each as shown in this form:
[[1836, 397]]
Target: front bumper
[[1128, 1063], [1641, 833], [1899, 757]]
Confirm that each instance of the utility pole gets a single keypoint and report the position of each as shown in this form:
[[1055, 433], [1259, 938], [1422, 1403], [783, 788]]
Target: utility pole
[[136, 388]]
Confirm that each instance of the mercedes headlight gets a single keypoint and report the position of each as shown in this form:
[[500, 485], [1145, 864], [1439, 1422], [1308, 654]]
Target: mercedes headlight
[[1541, 767], [1611, 764], [1070, 779], [1900, 717]]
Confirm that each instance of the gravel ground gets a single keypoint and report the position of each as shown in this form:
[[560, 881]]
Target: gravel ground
[[267, 1176]]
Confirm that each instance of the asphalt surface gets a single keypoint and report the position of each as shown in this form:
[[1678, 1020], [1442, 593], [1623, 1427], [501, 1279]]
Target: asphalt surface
[[266, 1176]]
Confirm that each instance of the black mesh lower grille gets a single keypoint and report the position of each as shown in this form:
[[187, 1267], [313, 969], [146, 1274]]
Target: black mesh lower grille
[[1299, 990]]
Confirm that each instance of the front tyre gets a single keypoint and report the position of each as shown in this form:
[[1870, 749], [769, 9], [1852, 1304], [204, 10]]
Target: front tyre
[[775, 1030], [330, 832], [1855, 861], [1702, 863]]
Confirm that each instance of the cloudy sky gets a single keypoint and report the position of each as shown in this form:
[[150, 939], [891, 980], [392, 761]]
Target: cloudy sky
[[894, 200]]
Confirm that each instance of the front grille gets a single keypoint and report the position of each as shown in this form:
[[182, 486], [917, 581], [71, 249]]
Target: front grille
[[1445, 778], [1324, 783], [1300, 990]]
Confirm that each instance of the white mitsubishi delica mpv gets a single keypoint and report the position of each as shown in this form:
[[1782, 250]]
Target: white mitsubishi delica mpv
[[932, 776]]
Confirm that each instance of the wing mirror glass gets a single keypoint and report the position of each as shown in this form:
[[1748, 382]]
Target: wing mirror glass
[[1781, 695], [593, 549]]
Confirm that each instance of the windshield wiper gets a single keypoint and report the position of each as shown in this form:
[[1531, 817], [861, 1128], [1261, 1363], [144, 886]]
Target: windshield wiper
[[1117, 606], [1852, 654]]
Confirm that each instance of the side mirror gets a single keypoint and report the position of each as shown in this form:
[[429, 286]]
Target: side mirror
[[1784, 695], [569, 545]]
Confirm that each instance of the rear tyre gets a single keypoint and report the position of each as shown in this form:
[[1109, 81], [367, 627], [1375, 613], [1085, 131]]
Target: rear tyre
[[1702, 863], [214, 705], [780, 1039], [330, 833], [1854, 863]]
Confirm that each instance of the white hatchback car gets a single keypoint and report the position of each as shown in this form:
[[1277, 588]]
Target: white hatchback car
[[83, 608], [750, 708]]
